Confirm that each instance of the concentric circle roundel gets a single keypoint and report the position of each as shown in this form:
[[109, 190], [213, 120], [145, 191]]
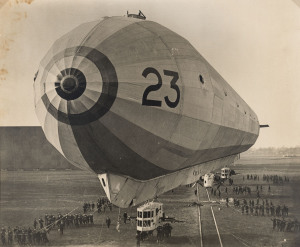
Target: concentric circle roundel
[[70, 86], [78, 86]]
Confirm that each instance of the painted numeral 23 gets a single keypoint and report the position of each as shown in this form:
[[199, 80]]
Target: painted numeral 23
[[155, 87]]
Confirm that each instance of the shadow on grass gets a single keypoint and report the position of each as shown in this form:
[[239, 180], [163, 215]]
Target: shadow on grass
[[174, 240]]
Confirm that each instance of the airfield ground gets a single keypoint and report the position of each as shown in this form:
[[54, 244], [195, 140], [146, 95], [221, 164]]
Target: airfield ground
[[26, 195]]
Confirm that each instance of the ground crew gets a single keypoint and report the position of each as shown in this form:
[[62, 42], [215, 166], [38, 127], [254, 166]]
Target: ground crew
[[282, 225], [118, 226], [44, 236], [274, 223], [61, 228], [3, 236], [138, 239], [125, 217], [41, 223], [160, 234], [108, 221], [34, 223], [10, 236], [29, 232]]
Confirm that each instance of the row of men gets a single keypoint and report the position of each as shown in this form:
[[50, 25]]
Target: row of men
[[88, 207], [252, 177], [241, 190], [266, 177], [103, 200], [162, 231], [23, 236], [275, 178], [261, 188], [258, 201], [68, 220], [103, 203], [103, 207], [283, 225], [246, 190], [274, 211], [213, 192], [49, 220], [259, 209]]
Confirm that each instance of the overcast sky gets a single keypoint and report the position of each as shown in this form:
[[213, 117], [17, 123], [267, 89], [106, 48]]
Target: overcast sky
[[253, 44]]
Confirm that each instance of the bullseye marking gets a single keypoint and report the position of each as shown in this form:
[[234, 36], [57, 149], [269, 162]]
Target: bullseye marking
[[71, 86], [108, 93]]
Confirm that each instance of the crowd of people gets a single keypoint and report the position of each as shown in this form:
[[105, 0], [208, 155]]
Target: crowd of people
[[241, 190], [276, 179], [283, 225], [252, 177], [23, 236], [261, 208], [164, 231], [103, 203], [265, 207], [246, 190], [68, 220], [88, 207], [41, 227]]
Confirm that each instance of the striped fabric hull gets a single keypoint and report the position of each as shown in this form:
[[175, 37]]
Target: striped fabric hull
[[130, 97]]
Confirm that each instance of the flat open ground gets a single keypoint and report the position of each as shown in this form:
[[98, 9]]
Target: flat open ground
[[26, 195]]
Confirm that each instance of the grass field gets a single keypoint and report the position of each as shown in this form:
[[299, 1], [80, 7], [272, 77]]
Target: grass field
[[26, 195]]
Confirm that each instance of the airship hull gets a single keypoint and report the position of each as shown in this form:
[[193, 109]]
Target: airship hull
[[130, 97]]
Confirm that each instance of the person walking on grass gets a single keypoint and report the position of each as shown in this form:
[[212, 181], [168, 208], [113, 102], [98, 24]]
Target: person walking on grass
[[108, 221]]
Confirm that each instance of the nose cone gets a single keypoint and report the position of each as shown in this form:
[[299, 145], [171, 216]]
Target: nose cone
[[76, 85], [69, 84]]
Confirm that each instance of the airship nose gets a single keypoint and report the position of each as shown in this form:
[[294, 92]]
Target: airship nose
[[77, 86], [69, 84]]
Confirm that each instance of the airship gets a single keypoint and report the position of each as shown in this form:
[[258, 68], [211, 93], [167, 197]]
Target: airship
[[137, 104]]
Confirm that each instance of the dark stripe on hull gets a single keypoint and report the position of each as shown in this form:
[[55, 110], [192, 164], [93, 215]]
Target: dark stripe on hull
[[143, 138], [103, 151]]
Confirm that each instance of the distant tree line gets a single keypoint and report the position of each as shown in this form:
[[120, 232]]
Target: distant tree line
[[272, 151]]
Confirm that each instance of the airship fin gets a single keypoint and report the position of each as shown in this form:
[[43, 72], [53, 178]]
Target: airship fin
[[264, 126]]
